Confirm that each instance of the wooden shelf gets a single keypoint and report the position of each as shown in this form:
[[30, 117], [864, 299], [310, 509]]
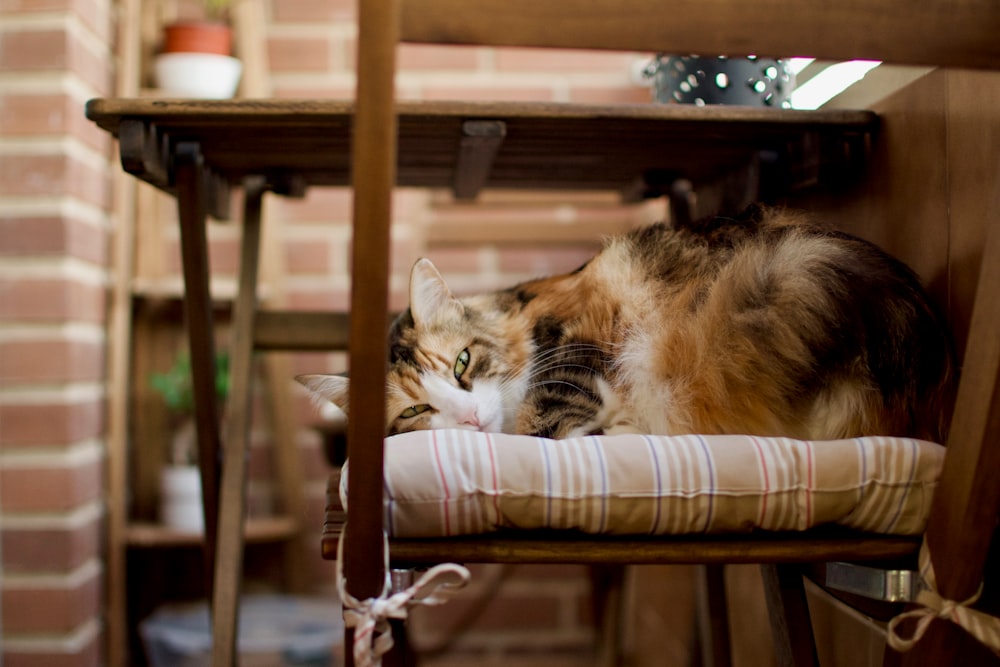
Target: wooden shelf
[[144, 535], [223, 289]]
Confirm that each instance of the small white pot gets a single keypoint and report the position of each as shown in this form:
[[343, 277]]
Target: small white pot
[[180, 499], [198, 75]]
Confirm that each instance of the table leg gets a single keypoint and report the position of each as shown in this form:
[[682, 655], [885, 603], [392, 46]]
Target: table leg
[[191, 204]]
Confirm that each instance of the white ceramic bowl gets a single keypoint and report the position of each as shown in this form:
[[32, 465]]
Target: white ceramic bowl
[[201, 75]]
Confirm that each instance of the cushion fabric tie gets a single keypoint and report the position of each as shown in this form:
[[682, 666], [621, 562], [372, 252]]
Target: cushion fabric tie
[[370, 618], [982, 626]]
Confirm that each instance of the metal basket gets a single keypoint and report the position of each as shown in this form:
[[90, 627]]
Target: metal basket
[[750, 81]]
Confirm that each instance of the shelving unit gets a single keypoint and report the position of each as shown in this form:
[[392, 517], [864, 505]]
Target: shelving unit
[[145, 535], [146, 332]]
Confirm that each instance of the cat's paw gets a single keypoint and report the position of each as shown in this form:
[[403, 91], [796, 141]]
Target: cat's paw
[[622, 428]]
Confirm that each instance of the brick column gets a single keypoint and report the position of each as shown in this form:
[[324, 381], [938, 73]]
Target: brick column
[[54, 232]]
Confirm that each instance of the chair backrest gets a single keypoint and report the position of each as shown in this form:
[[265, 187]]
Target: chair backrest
[[939, 32], [935, 32]]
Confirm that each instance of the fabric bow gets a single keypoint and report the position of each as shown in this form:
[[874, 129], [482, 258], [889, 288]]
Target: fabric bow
[[370, 618], [982, 626]]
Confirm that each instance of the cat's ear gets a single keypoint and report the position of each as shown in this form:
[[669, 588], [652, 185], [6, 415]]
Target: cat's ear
[[332, 388], [429, 295]]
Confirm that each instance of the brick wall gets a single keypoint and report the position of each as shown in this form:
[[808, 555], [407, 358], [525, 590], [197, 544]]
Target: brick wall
[[54, 233]]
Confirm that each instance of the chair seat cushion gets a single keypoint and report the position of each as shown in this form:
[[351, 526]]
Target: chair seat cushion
[[453, 482]]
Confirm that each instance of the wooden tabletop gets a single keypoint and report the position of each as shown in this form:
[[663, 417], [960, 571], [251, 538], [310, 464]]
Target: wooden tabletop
[[467, 146]]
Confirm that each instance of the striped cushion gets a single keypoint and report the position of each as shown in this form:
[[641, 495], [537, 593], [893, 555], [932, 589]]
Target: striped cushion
[[452, 482]]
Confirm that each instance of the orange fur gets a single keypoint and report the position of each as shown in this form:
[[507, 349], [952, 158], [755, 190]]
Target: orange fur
[[762, 325]]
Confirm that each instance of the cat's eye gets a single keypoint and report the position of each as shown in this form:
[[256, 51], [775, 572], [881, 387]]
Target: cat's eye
[[413, 411], [461, 364]]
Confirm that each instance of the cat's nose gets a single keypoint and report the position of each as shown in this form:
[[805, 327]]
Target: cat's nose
[[472, 419]]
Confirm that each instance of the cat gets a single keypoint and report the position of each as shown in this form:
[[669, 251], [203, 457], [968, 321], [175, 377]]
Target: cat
[[761, 324]]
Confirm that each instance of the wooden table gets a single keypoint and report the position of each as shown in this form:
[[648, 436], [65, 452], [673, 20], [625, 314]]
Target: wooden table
[[199, 150]]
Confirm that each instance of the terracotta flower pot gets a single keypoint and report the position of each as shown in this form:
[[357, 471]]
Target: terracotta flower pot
[[198, 37], [195, 61]]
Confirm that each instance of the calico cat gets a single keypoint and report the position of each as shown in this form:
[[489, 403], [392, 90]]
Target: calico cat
[[764, 324]]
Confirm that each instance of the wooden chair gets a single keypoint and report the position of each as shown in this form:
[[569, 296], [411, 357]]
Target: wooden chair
[[938, 33]]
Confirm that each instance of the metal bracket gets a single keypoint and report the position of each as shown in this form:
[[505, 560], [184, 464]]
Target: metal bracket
[[873, 583]]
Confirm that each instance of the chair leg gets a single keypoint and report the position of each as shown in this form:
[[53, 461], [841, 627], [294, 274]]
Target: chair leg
[[791, 626], [713, 617], [401, 654], [609, 607]]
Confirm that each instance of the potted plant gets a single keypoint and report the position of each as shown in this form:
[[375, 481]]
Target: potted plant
[[180, 481], [196, 55]]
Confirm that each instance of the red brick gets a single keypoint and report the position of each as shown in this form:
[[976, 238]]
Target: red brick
[[325, 91], [53, 50], [614, 216], [403, 254], [32, 6], [51, 610], [50, 549], [89, 183], [94, 68], [47, 174], [94, 15], [33, 175], [45, 236], [457, 259], [78, 7], [56, 424], [437, 57], [49, 361], [398, 300], [87, 655], [487, 92], [561, 60], [336, 300], [611, 95], [37, 50], [33, 115], [547, 261], [322, 205], [317, 362], [488, 215], [55, 489], [304, 54], [49, 114], [408, 203], [51, 300], [223, 256], [313, 10], [307, 256]]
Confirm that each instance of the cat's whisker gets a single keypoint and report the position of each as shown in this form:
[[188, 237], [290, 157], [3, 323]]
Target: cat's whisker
[[546, 383], [561, 366], [532, 378], [558, 355], [542, 365]]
